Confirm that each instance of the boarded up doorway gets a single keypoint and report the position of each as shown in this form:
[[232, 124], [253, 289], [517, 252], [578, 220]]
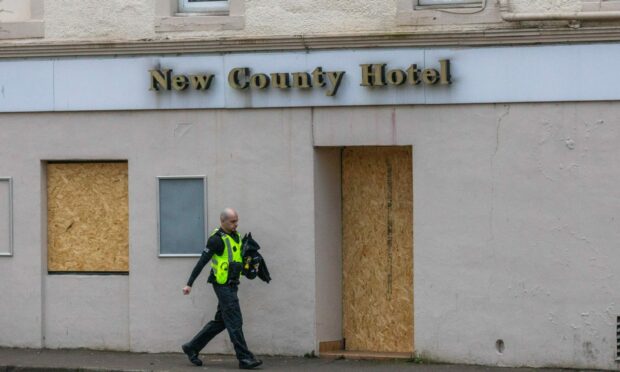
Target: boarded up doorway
[[377, 221]]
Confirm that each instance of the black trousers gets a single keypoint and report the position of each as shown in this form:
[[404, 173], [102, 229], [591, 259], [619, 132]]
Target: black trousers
[[228, 316]]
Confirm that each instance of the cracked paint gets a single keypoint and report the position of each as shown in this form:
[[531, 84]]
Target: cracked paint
[[498, 126]]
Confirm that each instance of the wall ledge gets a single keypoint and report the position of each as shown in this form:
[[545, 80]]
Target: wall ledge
[[199, 23], [22, 30], [493, 37]]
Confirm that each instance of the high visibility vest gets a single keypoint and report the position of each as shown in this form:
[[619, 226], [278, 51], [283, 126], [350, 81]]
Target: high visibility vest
[[231, 253]]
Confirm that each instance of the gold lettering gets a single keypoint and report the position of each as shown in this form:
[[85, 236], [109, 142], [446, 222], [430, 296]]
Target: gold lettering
[[180, 82], [160, 79], [430, 76], [301, 80], [260, 81], [280, 80], [396, 77], [235, 77], [318, 76], [201, 82], [413, 75], [445, 77], [373, 75], [335, 78]]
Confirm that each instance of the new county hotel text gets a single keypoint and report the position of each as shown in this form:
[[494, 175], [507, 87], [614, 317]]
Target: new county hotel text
[[373, 75]]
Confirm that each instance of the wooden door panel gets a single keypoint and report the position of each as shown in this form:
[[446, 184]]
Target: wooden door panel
[[378, 249]]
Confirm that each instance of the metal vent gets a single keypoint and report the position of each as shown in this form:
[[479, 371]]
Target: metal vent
[[618, 338]]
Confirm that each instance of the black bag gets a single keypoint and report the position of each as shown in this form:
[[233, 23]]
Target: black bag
[[253, 263]]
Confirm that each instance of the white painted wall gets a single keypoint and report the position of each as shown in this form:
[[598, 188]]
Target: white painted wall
[[257, 161], [20, 275], [84, 311], [328, 243], [516, 226], [6, 231]]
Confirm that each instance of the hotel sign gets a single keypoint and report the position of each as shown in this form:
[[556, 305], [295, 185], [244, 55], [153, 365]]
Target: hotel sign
[[311, 78], [244, 78]]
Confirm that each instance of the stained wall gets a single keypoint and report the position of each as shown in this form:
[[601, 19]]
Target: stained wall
[[515, 226], [259, 162]]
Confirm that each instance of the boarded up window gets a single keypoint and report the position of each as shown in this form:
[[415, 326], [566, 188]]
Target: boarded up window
[[181, 215], [6, 217], [87, 212]]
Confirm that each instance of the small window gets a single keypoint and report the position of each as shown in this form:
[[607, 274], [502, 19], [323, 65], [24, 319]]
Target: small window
[[440, 12], [199, 15], [6, 216], [449, 3], [203, 6], [182, 222]]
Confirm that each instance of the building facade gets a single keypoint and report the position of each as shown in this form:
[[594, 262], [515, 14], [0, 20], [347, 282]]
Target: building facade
[[426, 177]]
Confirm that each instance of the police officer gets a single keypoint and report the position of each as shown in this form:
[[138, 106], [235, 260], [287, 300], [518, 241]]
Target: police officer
[[224, 251]]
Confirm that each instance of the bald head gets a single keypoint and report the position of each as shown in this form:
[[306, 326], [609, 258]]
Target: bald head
[[229, 220]]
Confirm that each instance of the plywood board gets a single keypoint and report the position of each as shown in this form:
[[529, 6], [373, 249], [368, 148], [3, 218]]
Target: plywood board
[[87, 217], [328, 346], [377, 187]]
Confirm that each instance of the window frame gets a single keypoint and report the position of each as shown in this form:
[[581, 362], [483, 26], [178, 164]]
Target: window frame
[[409, 13], [10, 204], [448, 4], [169, 19], [205, 6], [158, 211]]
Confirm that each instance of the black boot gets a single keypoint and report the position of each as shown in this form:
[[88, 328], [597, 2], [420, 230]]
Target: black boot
[[191, 355], [249, 363]]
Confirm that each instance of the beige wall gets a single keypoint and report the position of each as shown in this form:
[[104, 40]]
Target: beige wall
[[546, 5], [14, 10], [516, 227], [259, 161], [136, 19], [328, 243], [86, 311], [132, 20]]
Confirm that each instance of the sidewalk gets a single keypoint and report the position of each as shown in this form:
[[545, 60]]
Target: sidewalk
[[35, 360]]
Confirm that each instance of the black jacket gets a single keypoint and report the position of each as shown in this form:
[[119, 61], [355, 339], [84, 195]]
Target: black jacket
[[253, 262]]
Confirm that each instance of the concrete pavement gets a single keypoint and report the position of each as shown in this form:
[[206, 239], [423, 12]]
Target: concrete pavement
[[36, 360]]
